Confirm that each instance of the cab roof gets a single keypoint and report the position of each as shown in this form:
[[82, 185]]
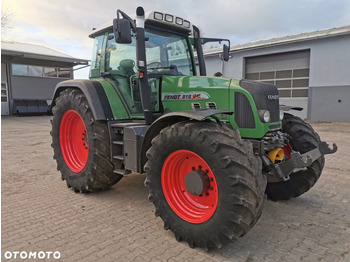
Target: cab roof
[[154, 18]]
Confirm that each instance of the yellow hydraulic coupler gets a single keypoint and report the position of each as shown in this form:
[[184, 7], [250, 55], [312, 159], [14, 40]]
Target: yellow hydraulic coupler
[[276, 154]]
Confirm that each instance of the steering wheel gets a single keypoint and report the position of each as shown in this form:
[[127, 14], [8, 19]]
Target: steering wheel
[[154, 65]]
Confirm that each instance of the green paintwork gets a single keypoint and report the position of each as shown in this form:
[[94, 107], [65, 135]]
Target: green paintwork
[[217, 89], [221, 91], [118, 109]]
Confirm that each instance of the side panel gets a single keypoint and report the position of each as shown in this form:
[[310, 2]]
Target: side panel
[[188, 92], [181, 93]]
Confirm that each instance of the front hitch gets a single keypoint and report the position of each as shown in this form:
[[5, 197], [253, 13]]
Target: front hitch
[[281, 171]]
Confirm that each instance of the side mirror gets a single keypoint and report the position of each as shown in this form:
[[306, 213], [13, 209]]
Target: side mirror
[[226, 53], [122, 31]]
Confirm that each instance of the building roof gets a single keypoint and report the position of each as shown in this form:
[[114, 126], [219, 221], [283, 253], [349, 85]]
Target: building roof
[[338, 31], [38, 52]]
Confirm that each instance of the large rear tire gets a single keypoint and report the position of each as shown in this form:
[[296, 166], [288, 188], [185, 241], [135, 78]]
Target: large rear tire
[[230, 197], [303, 139], [81, 144]]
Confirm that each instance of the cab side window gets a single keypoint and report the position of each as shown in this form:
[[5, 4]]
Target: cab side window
[[97, 56], [121, 65]]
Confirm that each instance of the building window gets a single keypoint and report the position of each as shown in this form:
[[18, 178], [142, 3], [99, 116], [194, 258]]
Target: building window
[[40, 71], [64, 72], [50, 72], [19, 70], [35, 71], [290, 83]]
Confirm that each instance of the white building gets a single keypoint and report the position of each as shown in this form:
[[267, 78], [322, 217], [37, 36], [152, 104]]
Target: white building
[[29, 74], [311, 70]]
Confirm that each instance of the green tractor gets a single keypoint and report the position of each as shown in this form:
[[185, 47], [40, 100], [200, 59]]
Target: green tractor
[[213, 148]]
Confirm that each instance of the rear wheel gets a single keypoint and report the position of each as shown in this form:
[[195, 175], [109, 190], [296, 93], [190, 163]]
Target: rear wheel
[[303, 139], [81, 144], [205, 183]]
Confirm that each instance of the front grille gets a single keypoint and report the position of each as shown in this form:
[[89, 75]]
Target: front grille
[[243, 112], [260, 93], [273, 107]]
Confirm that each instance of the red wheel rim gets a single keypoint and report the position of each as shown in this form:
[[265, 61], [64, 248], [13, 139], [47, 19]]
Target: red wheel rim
[[191, 208], [74, 141], [287, 150]]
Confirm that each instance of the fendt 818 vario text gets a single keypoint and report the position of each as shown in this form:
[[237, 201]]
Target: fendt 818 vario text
[[213, 148]]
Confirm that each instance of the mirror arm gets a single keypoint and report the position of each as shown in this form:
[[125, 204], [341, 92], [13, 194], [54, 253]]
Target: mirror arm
[[132, 23], [207, 40]]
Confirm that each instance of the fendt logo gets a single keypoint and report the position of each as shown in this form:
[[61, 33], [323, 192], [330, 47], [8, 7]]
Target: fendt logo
[[186, 96], [272, 97]]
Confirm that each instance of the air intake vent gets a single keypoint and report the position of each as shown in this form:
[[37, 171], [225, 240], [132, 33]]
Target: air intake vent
[[196, 106], [243, 112], [211, 105]]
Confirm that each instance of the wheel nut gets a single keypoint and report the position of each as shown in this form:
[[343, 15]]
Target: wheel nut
[[207, 194], [199, 167], [193, 168]]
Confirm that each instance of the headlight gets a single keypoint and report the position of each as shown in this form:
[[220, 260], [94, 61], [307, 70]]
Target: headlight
[[281, 114], [266, 116]]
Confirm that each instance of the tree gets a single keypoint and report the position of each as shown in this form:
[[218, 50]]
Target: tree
[[5, 18]]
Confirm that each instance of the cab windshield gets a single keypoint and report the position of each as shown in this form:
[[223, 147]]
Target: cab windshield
[[166, 54]]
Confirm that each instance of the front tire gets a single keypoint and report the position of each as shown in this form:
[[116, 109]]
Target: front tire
[[230, 197], [303, 139], [81, 144]]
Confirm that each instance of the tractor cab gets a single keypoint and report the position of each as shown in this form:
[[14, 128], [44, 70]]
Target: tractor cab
[[167, 49], [168, 52]]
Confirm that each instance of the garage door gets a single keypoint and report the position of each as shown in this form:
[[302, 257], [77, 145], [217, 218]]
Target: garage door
[[288, 71]]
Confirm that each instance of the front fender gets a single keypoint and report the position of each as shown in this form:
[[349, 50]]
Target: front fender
[[172, 118], [94, 93]]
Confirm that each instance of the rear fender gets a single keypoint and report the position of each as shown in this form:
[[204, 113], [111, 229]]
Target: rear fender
[[94, 93]]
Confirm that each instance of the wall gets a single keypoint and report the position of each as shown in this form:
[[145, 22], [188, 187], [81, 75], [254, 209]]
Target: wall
[[24, 87], [329, 92]]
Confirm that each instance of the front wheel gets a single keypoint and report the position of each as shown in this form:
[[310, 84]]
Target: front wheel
[[205, 182], [81, 144], [303, 139]]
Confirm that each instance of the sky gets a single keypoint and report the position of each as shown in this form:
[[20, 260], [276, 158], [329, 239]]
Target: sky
[[64, 25]]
